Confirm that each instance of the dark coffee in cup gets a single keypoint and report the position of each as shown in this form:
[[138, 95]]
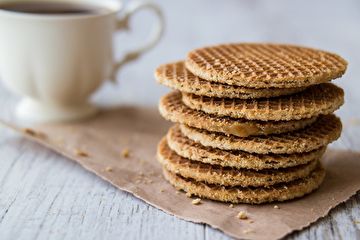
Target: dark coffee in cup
[[59, 8]]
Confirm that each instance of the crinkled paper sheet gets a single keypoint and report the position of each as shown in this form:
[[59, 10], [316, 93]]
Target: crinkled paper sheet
[[98, 144]]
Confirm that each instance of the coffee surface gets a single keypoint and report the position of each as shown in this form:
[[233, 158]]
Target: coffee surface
[[59, 8]]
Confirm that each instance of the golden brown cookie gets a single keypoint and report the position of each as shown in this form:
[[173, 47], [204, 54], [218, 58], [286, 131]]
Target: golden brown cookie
[[172, 108], [257, 195], [176, 76], [190, 149], [226, 176], [259, 65], [319, 134], [315, 100]]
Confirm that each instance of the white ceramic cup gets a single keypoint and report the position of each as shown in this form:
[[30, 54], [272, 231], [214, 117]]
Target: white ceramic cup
[[55, 62]]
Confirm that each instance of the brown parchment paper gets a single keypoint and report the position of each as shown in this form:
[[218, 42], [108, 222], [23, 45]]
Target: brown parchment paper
[[104, 137]]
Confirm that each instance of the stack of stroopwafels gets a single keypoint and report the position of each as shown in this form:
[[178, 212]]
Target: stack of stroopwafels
[[252, 121]]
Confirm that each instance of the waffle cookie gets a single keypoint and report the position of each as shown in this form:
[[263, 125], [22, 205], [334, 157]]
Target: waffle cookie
[[215, 174], [315, 100], [319, 134], [251, 195], [255, 65], [172, 108], [176, 76], [252, 120], [190, 149]]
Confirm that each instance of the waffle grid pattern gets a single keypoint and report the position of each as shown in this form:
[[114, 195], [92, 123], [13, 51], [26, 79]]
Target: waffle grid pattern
[[279, 192], [176, 76], [172, 108], [265, 65], [215, 174], [319, 134], [319, 99], [190, 149]]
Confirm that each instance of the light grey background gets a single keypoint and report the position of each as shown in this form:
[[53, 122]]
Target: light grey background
[[326, 24], [45, 196]]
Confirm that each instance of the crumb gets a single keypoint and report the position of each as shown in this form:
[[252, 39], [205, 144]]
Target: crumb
[[141, 174], [276, 207], [188, 194], [242, 215], [196, 201], [125, 153], [162, 190], [251, 221], [177, 192], [109, 169], [33, 133], [81, 153], [248, 231], [150, 181], [356, 221], [311, 209], [29, 131], [231, 205]]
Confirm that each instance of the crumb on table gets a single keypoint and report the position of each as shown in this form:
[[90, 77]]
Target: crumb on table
[[33, 133], [81, 153], [29, 131], [125, 153], [196, 201], [242, 215], [109, 169], [247, 231]]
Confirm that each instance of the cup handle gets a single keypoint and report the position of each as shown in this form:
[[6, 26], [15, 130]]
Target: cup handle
[[156, 33]]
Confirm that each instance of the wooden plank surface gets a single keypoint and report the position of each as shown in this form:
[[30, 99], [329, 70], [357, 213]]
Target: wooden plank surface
[[46, 196]]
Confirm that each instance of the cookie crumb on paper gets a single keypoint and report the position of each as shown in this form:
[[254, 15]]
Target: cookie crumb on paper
[[247, 231], [81, 153], [125, 153], [109, 169], [196, 201], [242, 215]]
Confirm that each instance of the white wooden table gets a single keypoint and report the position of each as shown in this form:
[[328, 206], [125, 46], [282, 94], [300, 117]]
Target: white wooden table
[[46, 196]]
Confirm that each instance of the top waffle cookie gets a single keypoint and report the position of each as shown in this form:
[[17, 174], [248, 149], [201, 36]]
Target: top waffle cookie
[[265, 65]]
